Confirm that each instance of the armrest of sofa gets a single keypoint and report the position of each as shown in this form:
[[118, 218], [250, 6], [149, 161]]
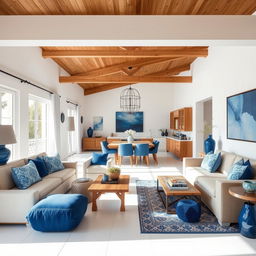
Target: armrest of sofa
[[15, 204], [69, 164], [87, 163], [192, 162]]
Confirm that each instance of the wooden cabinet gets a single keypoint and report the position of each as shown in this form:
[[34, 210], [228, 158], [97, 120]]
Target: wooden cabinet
[[181, 119], [180, 148], [92, 143]]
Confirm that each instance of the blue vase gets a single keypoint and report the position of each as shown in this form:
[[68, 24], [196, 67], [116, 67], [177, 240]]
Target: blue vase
[[209, 144], [4, 154], [247, 220], [90, 132]]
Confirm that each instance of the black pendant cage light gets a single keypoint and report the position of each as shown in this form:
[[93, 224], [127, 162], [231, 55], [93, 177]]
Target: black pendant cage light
[[130, 100]]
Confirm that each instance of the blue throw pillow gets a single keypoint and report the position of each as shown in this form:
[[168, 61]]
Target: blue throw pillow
[[53, 163], [25, 176], [241, 171], [99, 158], [40, 166], [211, 162]]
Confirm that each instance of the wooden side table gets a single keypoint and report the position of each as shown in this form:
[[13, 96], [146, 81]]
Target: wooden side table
[[247, 217]]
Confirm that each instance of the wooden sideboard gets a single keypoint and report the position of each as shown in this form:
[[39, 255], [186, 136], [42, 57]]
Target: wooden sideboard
[[181, 119], [92, 143], [180, 148]]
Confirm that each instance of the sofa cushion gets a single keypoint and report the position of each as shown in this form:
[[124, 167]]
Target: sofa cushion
[[25, 176], [99, 158], [228, 159], [53, 163], [34, 157], [207, 184], [40, 165], [253, 165], [240, 171], [6, 181], [45, 186], [63, 175], [211, 162]]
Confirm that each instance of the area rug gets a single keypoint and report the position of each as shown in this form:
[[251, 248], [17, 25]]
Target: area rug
[[154, 219]]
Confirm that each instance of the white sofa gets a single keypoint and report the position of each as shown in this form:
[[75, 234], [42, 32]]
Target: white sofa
[[214, 186], [16, 203]]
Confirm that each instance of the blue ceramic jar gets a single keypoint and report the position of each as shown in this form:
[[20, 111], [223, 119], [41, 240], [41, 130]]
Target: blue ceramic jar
[[249, 186], [209, 144]]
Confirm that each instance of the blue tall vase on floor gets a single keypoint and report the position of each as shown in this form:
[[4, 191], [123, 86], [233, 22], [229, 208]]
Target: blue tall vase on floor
[[247, 220], [209, 144], [4, 154], [90, 132]]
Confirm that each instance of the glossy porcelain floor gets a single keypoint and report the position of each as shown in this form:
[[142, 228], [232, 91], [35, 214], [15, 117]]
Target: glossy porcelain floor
[[110, 232]]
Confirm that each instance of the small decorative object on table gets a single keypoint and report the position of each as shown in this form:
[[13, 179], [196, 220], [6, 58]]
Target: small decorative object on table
[[130, 137], [209, 144], [90, 132], [166, 132], [249, 186], [162, 132], [113, 173], [177, 184]]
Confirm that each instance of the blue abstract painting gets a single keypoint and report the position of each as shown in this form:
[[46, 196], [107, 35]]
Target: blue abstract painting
[[129, 120], [97, 123], [241, 116]]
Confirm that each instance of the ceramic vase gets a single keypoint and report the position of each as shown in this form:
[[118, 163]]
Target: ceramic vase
[[209, 144], [249, 186], [4, 154], [166, 133], [129, 139], [247, 221], [90, 132]]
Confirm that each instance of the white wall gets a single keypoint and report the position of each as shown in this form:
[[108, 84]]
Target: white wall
[[27, 62], [226, 71]]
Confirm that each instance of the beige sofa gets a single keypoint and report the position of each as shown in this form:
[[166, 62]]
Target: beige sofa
[[16, 203], [214, 186]]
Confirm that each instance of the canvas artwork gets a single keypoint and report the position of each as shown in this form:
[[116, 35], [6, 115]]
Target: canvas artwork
[[98, 123], [129, 120], [241, 116]]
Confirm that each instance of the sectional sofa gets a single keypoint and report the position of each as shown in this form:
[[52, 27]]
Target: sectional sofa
[[214, 186], [16, 203]]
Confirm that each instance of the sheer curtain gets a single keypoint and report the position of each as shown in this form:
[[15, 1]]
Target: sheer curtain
[[78, 119]]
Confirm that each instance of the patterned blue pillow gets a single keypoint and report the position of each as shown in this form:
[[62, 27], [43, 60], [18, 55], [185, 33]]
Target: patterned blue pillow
[[211, 162], [25, 176], [53, 163], [237, 171]]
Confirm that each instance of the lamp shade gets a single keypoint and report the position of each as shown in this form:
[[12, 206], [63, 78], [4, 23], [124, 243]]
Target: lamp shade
[[71, 123], [7, 135]]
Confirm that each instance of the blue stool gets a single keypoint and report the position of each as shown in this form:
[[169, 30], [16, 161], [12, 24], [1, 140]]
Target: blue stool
[[58, 213], [188, 210]]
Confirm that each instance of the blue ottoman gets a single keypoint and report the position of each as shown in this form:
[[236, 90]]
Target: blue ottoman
[[188, 210], [56, 213]]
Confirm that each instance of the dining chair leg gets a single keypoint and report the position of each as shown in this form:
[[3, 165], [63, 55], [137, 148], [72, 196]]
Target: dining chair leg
[[144, 159], [155, 158], [147, 159], [116, 158], [120, 158], [136, 160], [131, 160]]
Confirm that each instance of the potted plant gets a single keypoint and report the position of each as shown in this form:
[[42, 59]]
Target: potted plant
[[130, 134], [113, 173]]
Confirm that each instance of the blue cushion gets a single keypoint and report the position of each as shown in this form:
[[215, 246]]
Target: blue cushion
[[211, 162], [99, 158], [188, 210], [240, 171], [40, 166], [53, 163], [25, 176], [56, 213]]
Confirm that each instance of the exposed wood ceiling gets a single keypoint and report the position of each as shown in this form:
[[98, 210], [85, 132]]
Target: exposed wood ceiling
[[98, 69], [127, 7]]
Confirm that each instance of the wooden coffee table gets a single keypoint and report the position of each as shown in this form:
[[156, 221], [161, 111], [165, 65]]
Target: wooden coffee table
[[168, 193], [98, 189]]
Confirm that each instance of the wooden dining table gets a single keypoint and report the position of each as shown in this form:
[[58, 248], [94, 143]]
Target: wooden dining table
[[115, 144]]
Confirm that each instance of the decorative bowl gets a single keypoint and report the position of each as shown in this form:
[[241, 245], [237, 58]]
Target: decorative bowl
[[249, 186]]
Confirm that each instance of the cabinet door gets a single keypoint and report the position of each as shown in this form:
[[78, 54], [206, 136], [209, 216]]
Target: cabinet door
[[167, 145], [171, 120], [89, 144], [97, 143], [181, 119], [177, 148], [188, 119]]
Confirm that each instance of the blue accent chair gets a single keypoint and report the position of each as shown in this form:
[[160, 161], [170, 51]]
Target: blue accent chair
[[188, 210], [142, 150], [105, 149], [125, 149], [154, 150]]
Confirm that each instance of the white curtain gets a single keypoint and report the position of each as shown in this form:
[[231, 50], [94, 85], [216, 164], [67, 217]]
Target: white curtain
[[53, 145], [78, 125]]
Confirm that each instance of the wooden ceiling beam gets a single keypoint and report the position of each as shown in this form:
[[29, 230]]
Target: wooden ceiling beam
[[125, 79], [103, 88], [171, 71], [141, 53]]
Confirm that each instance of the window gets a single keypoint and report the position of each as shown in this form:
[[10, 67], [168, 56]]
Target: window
[[7, 99], [37, 126]]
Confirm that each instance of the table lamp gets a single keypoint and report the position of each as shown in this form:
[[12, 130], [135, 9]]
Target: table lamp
[[7, 136]]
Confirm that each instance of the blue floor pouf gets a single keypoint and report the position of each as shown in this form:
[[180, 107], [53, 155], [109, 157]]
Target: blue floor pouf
[[58, 213], [188, 210]]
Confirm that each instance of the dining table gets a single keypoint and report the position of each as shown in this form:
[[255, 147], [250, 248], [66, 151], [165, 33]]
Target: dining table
[[115, 145]]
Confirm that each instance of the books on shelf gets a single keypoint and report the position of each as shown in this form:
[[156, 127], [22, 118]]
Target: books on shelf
[[177, 184]]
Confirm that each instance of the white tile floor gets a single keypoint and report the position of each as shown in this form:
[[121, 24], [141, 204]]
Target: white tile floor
[[110, 232]]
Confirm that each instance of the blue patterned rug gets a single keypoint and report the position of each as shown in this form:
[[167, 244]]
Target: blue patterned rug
[[154, 219]]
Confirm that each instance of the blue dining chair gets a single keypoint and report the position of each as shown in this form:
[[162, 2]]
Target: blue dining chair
[[125, 149], [154, 150], [105, 149], [141, 150]]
